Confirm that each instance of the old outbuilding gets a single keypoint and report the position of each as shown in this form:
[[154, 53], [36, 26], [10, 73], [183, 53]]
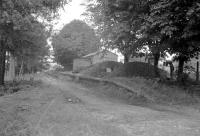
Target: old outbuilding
[[93, 58]]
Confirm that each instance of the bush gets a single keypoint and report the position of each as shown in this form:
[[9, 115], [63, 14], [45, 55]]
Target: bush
[[136, 69]]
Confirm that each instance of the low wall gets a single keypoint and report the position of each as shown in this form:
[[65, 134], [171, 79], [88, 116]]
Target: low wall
[[79, 64]]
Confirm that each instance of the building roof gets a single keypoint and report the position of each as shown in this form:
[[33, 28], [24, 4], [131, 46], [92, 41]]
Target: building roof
[[91, 54], [97, 52]]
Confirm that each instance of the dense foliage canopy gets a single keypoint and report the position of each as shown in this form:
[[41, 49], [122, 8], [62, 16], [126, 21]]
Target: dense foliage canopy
[[19, 27], [76, 39], [162, 25]]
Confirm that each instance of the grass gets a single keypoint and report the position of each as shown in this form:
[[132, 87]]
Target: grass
[[115, 93], [18, 85], [12, 120], [161, 93], [15, 108], [16, 127], [147, 93], [140, 76]]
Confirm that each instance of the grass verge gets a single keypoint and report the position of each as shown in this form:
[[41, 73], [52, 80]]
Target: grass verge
[[16, 86]]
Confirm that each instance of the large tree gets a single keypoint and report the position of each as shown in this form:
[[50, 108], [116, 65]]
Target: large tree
[[17, 16], [27, 49], [74, 40], [163, 25], [178, 23], [31, 48], [117, 23]]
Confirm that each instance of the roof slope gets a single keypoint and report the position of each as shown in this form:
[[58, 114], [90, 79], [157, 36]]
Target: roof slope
[[98, 52]]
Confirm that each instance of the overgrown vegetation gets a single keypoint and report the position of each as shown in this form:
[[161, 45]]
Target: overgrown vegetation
[[11, 87], [22, 34], [141, 78], [162, 25], [130, 69]]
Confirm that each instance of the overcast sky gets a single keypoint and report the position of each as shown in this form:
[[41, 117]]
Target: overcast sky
[[71, 11]]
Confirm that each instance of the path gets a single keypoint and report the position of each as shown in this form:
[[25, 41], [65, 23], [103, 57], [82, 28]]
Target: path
[[63, 108]]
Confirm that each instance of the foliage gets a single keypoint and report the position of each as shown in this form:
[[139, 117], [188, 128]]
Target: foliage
[[74, 40], [178, 22], [19, 16], [31, 47], [118, 23], [162, 25]]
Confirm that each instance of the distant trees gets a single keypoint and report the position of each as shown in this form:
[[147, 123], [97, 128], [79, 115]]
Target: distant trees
[[74, 40], [162, 25], [18, 21]]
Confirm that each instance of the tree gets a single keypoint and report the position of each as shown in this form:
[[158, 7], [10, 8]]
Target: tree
[[178, 22], [122, 25], [31, 47], [155, 46], [118, 23], [163, 25], [17, 16], [76, 38]]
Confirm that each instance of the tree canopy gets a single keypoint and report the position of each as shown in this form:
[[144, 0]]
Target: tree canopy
[[20, 17], [74, 40], [31, 47], [177, 23], [163, 25], [118, 23]]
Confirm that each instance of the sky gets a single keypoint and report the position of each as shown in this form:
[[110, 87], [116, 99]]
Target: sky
[[71, 11]]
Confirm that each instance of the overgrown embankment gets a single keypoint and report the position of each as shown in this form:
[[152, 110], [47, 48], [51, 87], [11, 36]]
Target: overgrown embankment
[[139, 78]]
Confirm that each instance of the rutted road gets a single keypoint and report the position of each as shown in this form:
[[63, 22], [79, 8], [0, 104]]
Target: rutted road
[[63, 108]]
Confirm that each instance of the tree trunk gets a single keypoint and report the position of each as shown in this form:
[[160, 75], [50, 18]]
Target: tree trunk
[[2, 62], [180, 69], [156, 59], [126, 58], [11, 67], [21, 72], [171, 70]]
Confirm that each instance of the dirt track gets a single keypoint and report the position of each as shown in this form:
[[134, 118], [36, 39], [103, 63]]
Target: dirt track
[[63, 108]]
